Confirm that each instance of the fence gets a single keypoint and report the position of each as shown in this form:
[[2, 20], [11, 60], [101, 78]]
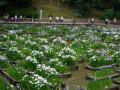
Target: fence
[[73, 20]]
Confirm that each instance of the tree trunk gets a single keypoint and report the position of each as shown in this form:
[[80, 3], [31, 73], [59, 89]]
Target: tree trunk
[[67, 5], [51, 3], [58, 3]]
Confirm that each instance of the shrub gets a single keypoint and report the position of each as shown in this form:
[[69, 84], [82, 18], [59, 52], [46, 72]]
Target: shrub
[[78, 15], [118, 14], [28, 65], [14, 55], [15, 72], [4, 62], [50, 15], [109, 13], [27, 12]]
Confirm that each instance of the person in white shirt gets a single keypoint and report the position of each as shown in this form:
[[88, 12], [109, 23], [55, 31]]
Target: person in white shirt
[[21, 18], [57, 19], [61, 18], [50, 19], [16, 18], [92, 20]]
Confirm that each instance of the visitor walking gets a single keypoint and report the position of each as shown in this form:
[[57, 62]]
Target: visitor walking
[[16, 18], [50, 19], [21, 18], [114, 21], [106, 21], [7, 18], [57, 19], [92, 20], [32, 18], [61, 19], [12, 19], [24, 18]]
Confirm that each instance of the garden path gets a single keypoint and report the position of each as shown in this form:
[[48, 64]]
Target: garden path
[[78, 77]]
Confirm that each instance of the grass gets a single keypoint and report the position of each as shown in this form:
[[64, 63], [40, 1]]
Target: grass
[[15, 73], [53, 10], [118, 79], [118, 68], [100, 85], [103, 73], [4, 85], [60, 10]]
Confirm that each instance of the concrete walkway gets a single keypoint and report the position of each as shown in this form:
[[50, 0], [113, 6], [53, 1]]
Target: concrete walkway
[[59, 23]]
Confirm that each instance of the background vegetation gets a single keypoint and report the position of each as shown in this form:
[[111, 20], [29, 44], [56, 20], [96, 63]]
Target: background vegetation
[[68, 8]]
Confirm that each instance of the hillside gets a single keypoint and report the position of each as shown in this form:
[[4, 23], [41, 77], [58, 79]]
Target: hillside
[[54, 10]]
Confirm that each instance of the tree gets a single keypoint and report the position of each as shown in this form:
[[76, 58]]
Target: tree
[[58, 2], [13, 4], [115, 4], [3, 2], [84, 6]]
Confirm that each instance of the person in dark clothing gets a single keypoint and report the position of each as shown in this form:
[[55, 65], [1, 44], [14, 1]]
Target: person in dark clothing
[[106, 21]]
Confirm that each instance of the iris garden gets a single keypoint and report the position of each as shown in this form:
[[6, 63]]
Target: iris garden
[[36, 56]]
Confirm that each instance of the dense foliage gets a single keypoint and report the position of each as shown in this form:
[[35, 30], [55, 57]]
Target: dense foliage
[[85, 7], [15, 3], [21, 7]]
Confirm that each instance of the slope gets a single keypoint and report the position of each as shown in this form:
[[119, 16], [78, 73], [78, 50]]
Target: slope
[[53, 9]]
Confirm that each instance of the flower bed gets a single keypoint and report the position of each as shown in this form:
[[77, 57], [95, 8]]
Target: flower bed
[[106, 73], [5, 85], [102, 67], [16, 73], [101, 85], [97, 62], [112, 42], [44, 57], [9, 78], [18, 78]]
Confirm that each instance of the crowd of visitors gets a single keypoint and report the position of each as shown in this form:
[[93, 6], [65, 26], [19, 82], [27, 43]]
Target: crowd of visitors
[[57, 19], [15, 18], [20, 18], [106, 21]]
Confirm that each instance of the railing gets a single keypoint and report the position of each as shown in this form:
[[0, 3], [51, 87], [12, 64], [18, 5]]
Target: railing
[[74, 20]]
